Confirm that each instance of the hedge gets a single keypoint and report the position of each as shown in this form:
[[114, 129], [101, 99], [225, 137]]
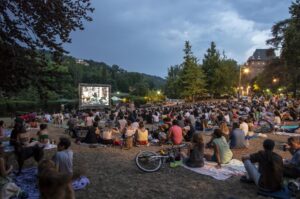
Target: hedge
[[9, 107]]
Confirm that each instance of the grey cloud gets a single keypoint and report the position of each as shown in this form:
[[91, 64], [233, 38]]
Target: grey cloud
[[148, 36]]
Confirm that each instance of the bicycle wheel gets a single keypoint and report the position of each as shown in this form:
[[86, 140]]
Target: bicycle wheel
[[148, 161]]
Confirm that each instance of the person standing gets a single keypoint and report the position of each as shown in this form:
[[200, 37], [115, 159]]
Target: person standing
[[63, 158]]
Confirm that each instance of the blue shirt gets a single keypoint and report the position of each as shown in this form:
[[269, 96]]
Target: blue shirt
[[237, 139], [296, 159]]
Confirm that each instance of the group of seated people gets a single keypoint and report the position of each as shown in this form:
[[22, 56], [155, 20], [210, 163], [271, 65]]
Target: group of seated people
[[128, 135], [54, 176], [271, 167]]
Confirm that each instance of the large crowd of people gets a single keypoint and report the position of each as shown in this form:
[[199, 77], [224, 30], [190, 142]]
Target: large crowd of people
[[231, 123]]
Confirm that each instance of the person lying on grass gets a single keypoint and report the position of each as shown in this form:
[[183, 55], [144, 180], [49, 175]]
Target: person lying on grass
[[269, 174], [222, 153], [292, 166]]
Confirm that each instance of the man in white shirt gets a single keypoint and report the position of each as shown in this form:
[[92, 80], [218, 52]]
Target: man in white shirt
[[244, 126]]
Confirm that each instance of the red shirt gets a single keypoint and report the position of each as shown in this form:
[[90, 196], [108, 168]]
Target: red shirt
[[176, 134]]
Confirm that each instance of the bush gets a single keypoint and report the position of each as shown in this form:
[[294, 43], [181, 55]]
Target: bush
[[9, 107]]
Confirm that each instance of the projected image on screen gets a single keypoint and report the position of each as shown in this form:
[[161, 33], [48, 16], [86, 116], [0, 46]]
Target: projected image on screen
[[92, 95]]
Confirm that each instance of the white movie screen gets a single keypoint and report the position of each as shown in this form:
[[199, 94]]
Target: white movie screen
[[94, 95]]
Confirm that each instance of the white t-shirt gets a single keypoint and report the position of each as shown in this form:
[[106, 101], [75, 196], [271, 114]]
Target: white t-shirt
[[227, 118], [130, 132], [135, 125], [244, 127], [277, 120], [155, 118]]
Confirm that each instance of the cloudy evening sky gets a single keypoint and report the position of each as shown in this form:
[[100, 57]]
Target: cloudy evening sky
[[148, 35]]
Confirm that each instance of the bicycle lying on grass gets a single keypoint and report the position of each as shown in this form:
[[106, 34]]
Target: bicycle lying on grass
[[149, 161]]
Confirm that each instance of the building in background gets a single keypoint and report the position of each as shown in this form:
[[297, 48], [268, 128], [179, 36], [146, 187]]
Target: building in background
[[257, 62]]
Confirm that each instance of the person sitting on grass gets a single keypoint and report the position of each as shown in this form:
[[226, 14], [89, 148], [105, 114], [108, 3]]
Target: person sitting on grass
[[237, 137], [106, 137], [42, 134], [195, 156], [53, 184], [63, 158], [129, 133], [91, 137], [292, 166], [222, 153], [163, 130], [269, 175], [142, 135], [175, 133], [7, 187], [188, 130]]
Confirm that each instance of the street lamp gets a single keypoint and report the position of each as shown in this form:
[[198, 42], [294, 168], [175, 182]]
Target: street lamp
[[275, 80], [245, 70], [158, 92]]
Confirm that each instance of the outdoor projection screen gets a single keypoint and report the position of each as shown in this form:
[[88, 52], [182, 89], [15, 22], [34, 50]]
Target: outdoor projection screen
[[93, 96]]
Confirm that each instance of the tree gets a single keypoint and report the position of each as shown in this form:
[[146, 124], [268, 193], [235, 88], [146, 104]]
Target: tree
[[211, 63], [275, 69], [226, 76], [172, 87], [30, 26], [286, 37], [191, 77]]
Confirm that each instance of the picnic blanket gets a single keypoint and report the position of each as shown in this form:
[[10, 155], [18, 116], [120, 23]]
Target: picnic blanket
[[233, 168], [27, 181], [287, 134], [8, 148], [7, 132]]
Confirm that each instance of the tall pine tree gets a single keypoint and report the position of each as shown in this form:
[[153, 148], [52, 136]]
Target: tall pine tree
[[211, 63], [191, 77]]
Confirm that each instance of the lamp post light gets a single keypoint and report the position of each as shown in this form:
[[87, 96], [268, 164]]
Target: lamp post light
[[275, 80], [244, 70]]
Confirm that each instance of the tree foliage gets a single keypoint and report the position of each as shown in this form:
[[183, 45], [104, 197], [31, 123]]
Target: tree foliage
[[190, 80], [172, 88], [286, 37], [211, 63], [191, 77], [30, 26]]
